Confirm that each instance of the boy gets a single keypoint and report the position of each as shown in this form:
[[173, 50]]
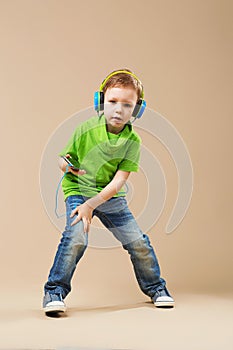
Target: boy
[[107, 149]]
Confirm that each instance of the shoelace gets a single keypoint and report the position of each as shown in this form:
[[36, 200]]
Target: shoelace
[[161, 292], [56, 297]]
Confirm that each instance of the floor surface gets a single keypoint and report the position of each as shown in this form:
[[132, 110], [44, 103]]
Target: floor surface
[[199, 321]]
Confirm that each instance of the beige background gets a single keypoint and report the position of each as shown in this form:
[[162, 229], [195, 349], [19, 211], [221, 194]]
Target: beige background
[[54, 55]]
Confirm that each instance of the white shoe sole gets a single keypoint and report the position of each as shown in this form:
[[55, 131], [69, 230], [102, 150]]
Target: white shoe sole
[[55, 306], [164, 303]]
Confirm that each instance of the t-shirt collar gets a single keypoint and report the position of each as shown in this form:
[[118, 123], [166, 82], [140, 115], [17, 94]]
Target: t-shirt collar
[[103, 140]]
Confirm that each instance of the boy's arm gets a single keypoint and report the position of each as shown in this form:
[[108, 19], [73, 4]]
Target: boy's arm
[[110, 190], [85, 210]]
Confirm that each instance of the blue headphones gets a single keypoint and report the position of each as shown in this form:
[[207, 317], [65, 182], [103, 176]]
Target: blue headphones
[[99, 96]]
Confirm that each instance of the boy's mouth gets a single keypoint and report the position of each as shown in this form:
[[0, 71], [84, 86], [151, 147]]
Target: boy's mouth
[[117, 119]]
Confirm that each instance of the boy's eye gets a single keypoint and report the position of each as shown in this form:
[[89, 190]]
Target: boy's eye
[[126, 105]]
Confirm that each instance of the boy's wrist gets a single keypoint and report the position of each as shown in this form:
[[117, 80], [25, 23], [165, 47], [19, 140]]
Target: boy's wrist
[[95, 201]]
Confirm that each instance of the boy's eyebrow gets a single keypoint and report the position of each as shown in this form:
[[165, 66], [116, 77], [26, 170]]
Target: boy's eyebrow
[[123, 101]]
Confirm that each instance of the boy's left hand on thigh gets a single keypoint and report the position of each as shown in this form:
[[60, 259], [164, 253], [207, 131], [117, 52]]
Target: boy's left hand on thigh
[[84, 213]]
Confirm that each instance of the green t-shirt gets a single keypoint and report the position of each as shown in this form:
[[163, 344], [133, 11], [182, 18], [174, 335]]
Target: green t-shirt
[[101, 154]]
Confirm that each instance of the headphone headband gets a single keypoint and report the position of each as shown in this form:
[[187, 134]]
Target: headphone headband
[[117, 72]]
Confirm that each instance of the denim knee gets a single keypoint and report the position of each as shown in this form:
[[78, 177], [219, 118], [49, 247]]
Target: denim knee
[[74, 240], [139, 245], [145, 264]]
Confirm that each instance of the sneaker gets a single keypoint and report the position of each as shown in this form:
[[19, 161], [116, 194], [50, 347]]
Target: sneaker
[[162, 298], [53, 303]]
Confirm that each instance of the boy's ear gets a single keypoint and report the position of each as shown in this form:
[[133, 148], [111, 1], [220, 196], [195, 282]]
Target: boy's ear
[[139, 109], [99, 101]]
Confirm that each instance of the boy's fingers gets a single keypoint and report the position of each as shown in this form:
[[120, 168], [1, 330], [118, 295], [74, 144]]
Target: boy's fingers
[[74, 212], [86, 224], [77, 172], [76, 220]]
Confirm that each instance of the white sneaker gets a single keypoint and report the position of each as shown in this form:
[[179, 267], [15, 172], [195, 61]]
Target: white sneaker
[[53, 303], [162, 298]]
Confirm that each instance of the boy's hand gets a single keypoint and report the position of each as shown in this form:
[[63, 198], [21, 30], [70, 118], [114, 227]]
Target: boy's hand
[[84, 212], [77, 172], [71, 170]]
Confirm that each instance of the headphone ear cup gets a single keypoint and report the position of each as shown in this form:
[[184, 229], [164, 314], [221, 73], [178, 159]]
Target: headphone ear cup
[[98, 101], [101, 101], [139, 109]]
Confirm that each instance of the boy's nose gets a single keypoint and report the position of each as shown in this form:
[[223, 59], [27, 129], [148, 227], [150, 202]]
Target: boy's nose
[[118, 107]]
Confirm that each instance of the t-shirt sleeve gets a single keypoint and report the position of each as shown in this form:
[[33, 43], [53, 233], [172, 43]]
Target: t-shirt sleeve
[[132, 157]]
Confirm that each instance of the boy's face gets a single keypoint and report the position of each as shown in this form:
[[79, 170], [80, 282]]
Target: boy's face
[[119, 104]]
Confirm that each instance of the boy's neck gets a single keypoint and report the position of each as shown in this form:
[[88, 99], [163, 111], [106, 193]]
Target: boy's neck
[[113, 130]]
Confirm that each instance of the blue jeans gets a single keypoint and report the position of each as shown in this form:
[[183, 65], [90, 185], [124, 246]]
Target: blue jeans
[[116, 217]]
